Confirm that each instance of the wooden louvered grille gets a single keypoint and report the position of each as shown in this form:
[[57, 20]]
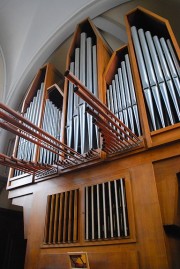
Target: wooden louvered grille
[[106, 211], [62, 218]]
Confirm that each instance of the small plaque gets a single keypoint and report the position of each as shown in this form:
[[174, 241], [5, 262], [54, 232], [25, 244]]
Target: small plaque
[[78, 260]]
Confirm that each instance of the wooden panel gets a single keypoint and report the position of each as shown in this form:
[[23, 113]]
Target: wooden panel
[[168, 189], [109, 260], [170, 133], [36, 227], [22, 180], [53, 261], [105, 260], [26, 202], [150, 236]]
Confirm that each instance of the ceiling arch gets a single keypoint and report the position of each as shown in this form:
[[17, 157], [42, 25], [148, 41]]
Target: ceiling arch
[[31, 30]]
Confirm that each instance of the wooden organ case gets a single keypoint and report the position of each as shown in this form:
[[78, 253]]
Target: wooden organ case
[[107, 184]]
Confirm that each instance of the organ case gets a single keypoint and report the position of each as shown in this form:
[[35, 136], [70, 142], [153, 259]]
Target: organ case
[[134, 178], [87, 58], [154, 56], [46, 85]]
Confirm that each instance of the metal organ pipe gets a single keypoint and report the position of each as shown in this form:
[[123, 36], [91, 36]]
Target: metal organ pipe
[[15, 123], [85, 60], [159, 72], [117, 136], [26, 148], [112, 215], [143, 75], [152, 78], [123, 100]]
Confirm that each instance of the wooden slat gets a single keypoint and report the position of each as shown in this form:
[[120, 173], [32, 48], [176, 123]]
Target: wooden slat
[[75, 222], [56, 219], [70, 216], [51, 222], [65, 217], [46, 232], [61, 209]]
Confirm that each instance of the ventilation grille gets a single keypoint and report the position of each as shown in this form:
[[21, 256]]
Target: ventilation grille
[[106, 211], [62, 218]]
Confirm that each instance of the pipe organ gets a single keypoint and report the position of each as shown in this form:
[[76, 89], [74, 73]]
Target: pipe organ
[[153, 61], [121, 96], [156, 57], [81, 134], [95, 162], [25, 149], [43, 108], [51, 124]]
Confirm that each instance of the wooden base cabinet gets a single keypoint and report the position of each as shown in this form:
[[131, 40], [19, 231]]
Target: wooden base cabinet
[[144, 245]]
